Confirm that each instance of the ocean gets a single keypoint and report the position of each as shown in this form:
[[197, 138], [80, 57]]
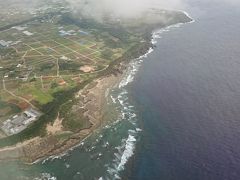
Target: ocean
[[179, 110], [187, 93]]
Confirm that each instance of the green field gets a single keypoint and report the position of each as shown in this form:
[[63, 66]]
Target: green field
[[53, 55], [50, 57]]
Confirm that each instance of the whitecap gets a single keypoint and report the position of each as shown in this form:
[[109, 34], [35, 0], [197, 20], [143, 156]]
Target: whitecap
[[45, 176], [67, 165], [138, 129], [128, 152]]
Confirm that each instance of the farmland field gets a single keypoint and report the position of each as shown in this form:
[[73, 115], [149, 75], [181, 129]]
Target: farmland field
[[47, 56]]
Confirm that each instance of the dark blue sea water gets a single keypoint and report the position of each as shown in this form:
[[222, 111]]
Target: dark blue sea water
[[187, 93], [179, 110]]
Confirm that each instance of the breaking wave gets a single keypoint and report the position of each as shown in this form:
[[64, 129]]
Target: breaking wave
[[126, 150], [45, 176]]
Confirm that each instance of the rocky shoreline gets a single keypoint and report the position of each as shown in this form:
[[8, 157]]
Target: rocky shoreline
[[91, 101], [40, 148]]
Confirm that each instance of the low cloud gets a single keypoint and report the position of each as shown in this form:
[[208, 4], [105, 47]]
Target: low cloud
[[98, 9]]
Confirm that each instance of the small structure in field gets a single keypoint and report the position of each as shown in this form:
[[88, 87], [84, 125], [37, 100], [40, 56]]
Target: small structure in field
[[19, 122]]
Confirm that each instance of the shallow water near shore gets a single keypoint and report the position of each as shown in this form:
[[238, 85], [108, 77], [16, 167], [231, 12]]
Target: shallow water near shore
[[104, 154], [101, 156], [179, 116]]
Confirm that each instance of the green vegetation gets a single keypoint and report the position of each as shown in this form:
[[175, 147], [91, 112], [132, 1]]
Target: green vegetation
[[107, 54], [45, 69], [71, 66], [50, 111], [10, 52], [6, 109], [39, 95]]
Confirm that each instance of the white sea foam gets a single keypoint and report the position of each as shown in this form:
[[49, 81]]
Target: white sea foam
[[157, 34], [188, 15], [126, 150], [67, 165], [45, 176], [132, 131], [113, 99], [132, 70], [138, 129]]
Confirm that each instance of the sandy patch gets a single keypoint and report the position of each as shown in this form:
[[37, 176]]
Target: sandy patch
[[87, 69], [55, 127], [94, 98]]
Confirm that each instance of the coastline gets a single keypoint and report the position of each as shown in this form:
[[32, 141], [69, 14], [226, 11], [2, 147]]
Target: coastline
[[96, 98], [27, 150], [30, 151]]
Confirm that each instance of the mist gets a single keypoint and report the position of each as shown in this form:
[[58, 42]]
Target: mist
[[98, 9]]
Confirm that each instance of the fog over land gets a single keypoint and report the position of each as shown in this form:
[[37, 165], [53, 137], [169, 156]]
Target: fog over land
[[98, 9]]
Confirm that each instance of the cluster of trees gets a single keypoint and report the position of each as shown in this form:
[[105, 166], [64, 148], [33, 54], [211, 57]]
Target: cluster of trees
[[107, 53], [7, 52], [70, 66]]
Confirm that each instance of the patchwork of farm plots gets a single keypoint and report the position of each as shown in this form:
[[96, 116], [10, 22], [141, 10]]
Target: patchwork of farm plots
[[43, 58]]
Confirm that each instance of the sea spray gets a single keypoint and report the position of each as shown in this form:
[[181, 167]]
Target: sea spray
[[127, 147], [126, 150], [45, 176], [115, 144]]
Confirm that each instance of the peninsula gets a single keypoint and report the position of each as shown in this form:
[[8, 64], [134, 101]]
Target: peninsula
[[55, 69]]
